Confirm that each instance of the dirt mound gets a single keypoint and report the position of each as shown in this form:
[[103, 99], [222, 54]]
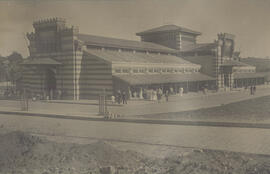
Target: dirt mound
[[212, 161], [13, 146], [25, 154]]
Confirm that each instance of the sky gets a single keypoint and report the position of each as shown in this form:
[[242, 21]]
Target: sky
[[247, 19]]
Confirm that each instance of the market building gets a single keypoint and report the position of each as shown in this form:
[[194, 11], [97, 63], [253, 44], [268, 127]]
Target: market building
[[66, 64], [217, 59]]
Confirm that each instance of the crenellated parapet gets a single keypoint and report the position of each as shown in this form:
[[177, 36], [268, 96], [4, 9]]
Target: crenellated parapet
[[60, 22], [52, 35]]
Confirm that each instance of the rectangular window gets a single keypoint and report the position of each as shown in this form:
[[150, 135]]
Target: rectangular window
[[170, 70], [156, 70], [118, 70], [135, 70], [142, 70], [181, 70], [125, 70]]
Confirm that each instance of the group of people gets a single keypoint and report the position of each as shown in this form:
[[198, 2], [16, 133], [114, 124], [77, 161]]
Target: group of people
[[156, 95], [120, 97]]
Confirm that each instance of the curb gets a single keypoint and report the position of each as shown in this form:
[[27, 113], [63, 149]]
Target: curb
[[145, 121]]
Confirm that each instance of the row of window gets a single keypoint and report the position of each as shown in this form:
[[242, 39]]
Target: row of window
[[244, 70], [155, 70]]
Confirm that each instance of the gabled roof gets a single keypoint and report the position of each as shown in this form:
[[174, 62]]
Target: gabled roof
[[234, 63], [122, 43], [261, 64], [130, 57], [41, 61], [145, 79], [166, 28], [198, 47]]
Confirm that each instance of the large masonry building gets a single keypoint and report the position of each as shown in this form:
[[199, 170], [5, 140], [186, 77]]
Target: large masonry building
[[82, 66]]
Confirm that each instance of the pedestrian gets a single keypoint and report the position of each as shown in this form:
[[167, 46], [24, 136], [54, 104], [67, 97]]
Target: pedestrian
[[167, 96], [254, 89], [158, 95], [119, 97], [251, 90], [181, 91], [171, 90], [124, 98], [113, 99], [59, 94]]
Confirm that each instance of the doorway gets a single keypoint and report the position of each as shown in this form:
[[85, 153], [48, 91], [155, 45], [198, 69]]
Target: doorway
[[50, 83]]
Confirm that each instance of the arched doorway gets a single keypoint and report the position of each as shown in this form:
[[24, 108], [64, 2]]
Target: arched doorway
[[50, 83]]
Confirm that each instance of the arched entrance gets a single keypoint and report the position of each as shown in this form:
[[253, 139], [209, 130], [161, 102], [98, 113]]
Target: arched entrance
[[50, 83]]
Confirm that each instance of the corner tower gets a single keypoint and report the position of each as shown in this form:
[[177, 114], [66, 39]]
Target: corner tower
[[55, 59], [50, 36]]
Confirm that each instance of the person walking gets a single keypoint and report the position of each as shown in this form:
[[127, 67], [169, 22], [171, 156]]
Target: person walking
[[251, 90]]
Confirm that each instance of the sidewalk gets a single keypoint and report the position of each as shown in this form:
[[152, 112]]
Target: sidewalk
[[88, 109], [188, 102]]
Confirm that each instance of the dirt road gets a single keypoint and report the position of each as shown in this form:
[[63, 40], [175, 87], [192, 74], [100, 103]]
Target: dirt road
[[221, 138]]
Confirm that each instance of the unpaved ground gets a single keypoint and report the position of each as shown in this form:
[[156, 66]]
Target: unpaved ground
[[24, 153]]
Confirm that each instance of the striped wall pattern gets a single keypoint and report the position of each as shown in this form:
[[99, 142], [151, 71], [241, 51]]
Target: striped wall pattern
[[33, 80], [34, 76], [95, 77]]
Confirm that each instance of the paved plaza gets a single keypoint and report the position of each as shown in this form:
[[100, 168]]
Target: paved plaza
[[135, 108]]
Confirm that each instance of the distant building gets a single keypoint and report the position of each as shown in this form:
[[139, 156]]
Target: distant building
[[81, 66]]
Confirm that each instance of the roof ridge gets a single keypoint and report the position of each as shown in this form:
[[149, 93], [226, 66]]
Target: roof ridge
[[168, 27], [110, 41]]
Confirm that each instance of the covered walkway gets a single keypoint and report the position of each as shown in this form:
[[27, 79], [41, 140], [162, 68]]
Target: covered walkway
[[140, 84]]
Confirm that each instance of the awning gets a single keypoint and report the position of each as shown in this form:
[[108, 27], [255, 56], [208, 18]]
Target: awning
[[249, 75], [41, 61], [148, 79]]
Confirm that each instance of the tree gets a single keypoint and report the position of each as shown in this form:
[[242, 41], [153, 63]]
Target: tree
[[3, 69], [14, 67]]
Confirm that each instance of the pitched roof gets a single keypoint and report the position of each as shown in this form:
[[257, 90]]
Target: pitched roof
[[262, 65], [122, 43], [41, 61], [233, 63], [198, 47], [144, 79], [130, 57], [249, 75], [166, 28]]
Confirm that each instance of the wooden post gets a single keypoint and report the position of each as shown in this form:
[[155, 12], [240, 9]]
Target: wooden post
[[187, 87]]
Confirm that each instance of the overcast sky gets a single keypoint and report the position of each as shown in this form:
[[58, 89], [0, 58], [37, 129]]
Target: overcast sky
[[247, 19]]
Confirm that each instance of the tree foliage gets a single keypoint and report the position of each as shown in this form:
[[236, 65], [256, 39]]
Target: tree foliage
[[10, 69]]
